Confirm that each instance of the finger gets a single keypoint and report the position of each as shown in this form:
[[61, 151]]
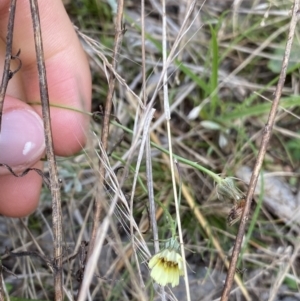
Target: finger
[[21, 146], [68, 74], [22, 140], [20, 196], [22, 134]]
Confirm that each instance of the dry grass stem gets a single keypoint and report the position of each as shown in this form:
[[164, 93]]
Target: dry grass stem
[[285, 265], [105, 125], [96, 47], [144, 140], [168, 117], [152, 207], [55, 185], [123, 215], [172, 54]]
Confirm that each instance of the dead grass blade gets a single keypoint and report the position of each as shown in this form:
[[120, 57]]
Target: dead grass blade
[[123, 214], [105, 125]]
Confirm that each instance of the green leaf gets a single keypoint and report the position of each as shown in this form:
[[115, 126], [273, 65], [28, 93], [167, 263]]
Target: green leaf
[[275, 62], [291, 283]]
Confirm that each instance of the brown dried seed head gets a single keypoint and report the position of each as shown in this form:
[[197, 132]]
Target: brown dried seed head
[[236, 212]]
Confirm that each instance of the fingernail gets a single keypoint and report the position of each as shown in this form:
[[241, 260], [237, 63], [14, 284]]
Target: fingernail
[[21, 138]]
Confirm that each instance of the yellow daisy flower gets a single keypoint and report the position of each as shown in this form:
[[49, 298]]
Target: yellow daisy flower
[[167, 267]]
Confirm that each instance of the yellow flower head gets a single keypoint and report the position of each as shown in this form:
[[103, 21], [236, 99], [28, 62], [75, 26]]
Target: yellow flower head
[[167, 267]]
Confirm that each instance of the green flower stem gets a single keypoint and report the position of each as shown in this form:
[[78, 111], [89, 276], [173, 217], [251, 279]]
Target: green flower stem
[[213, 175], [216, 177]]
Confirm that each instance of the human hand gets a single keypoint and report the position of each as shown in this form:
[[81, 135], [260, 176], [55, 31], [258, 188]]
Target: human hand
[[69, 84]]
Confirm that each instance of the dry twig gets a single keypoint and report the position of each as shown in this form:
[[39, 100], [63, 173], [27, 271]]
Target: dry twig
[[263, 148], [7, 74], [106, 120], [152, 208], [105, 132], [54, 181]]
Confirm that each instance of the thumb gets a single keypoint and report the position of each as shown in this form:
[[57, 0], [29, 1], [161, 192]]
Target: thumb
[[22, 141]]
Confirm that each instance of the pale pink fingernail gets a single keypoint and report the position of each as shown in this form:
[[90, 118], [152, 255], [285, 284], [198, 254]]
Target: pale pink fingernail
[[21, 139]]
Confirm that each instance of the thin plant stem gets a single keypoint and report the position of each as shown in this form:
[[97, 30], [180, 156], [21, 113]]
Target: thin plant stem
[[172, 53], [152, 207], [168, 118], [54, 181], [91, 266], [2, 292], [148, 146], [263, 148], [105, 125], [8, 54], [203, 169], [143, 52], [144, 140], [99, 199]]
